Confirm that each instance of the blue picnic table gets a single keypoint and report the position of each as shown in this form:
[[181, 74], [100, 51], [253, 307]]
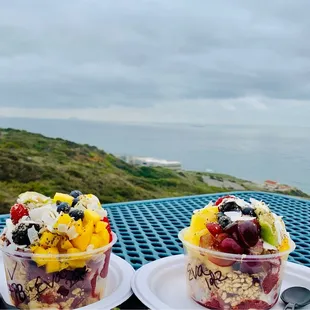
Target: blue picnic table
[[148, 230]]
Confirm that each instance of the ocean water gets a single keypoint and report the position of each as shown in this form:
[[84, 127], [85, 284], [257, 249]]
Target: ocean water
[[250, 152]]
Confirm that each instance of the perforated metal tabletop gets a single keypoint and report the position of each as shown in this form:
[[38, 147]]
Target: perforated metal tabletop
[[148, 230]]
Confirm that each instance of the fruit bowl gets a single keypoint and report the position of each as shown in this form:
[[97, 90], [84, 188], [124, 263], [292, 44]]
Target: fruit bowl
[[58, 281], [221, 280]]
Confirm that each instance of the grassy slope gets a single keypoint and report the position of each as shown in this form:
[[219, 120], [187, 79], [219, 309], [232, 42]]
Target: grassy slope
[[33, 162]]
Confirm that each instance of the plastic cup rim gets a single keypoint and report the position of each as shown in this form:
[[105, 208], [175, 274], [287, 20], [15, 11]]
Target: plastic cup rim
[[233, 256], [28, 255]]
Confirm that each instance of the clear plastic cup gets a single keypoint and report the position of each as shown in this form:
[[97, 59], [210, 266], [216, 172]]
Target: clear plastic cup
[[219, 280], [80, 283]]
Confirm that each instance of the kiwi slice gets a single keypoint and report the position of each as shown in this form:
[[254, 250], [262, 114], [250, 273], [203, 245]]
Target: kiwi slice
[[268, 229], [267, 224], [268, 234]]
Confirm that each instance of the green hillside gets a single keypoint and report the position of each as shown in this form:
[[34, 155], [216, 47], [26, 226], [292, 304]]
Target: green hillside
[[32, 162]]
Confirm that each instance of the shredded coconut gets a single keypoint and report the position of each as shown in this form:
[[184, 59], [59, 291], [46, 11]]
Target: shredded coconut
[[90, 247], [237, 216], [102, 212], [32, 235], [62, 228], [268, 246], [72, 233]]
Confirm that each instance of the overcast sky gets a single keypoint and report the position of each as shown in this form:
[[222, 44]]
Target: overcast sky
[[156, 61]]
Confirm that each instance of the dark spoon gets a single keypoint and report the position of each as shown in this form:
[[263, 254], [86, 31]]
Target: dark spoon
[[296, 297], [4, 305]]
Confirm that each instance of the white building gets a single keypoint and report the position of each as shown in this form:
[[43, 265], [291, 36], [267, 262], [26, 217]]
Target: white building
[[151, 162]]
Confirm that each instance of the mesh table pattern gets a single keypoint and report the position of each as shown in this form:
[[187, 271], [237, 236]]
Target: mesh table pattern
[[148, 230]]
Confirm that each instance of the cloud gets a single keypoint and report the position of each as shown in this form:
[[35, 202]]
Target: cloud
[[228, 106], [150, 56]]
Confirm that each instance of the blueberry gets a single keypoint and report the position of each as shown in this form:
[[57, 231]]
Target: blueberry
[[63, 207], [37, 227], [20, 233], [77, 214], [229, 206], [63, 291], [223, 219], [248, 211], [236, 266], [75, 201], [75, 193], [80, 273], [58, 202], [220, 214]]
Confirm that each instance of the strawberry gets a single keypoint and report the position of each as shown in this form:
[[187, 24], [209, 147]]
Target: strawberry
[[104, 270], [221, 237], [222, 198], [17, 212], [47, 297], [214, 228], [106, 220], [270, 282], [252, 304], [93, 283], [213, 303], [275, 265]]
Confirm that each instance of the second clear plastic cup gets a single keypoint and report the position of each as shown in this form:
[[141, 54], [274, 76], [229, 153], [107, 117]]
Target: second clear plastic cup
[[82, 280], [219, 280]]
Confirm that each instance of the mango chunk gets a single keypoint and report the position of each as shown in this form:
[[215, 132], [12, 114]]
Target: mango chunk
[[63, 198], [285, 245], [194, 237], [73, 251], [200, 218], [34, 247], [96, 241], [81, 242], [91, 215], [53, 251], [75, 262], [40, 251], [65, 244], [49, 239], [63, 219], [100, 226], [64, 264], [52, 265], [105, 237], [79, 226], [211, 210]]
